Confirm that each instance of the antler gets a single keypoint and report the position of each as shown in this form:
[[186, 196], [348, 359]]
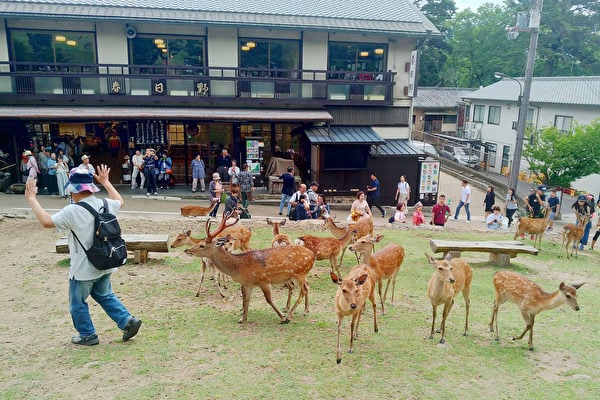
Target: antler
[[222, 226]]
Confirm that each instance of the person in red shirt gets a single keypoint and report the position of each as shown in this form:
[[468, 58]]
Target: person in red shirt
[[440, 212], [418, 216]]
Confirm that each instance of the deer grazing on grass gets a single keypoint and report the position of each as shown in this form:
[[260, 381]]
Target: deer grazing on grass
[[572, 234], [350, 299], [258, 268], [326, 248], [451, 276], [279, 239], [197, 211], [533, 226], [385, 263], [530, 298], [363, 227]]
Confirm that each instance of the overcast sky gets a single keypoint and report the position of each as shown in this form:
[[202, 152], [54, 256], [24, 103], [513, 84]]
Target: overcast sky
[[473, 4]]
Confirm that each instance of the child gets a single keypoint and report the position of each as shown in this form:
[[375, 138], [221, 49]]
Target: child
[[400, 214]]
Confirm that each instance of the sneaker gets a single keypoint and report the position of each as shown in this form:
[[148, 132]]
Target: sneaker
[[193, 191], [580, 247], [155, 193], [384, 214], [89, 340], [454, 219], [132, 328], [468, 221], [279, 213], [148, 194]]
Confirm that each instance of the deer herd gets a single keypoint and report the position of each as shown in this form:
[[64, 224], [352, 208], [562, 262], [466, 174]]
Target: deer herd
[[227, 250]]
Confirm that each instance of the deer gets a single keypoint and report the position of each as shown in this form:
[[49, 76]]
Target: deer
[[533, 226], [258, 268], [352, 292], [279, 239], [451, 276], [197, 211], [531, 299], [385, 263], [572, 233], [363, 227], [326, 248]]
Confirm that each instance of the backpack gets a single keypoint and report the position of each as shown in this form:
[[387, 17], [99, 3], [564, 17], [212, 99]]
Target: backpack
[[108, 249]]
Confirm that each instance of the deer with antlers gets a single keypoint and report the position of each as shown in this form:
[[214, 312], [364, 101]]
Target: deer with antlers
[[197, 211], [350, 299], [530, 298], [451, 277], [363, 227], [385, 263], [326, 248], [279, 239], [258, 268], [533, 226], [572, 234]]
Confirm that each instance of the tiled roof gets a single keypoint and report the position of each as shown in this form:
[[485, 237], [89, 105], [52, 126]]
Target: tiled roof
[[343, 134], [433, 97], [568, 90], [396, 147], [390, 16]]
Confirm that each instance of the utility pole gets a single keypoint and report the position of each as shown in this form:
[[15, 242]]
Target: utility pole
[[534, 29]]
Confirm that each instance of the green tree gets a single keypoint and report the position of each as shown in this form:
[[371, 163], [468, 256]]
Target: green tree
[[564, 157]]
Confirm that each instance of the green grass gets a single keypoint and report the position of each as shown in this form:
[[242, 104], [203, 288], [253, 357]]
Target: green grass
[[193, 347]]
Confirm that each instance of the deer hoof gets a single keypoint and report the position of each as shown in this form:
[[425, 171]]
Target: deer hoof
[[339, 360], [430, 336], [531, 349], [442, 341], [285, 321]]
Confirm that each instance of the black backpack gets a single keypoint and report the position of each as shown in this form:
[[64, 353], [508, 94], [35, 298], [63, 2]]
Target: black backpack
[[108, 249]]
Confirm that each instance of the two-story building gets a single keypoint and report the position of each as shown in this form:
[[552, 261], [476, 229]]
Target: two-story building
[[328, 79], [493, 112]]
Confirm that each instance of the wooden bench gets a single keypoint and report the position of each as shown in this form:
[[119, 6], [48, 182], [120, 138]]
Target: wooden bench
[[140, 244], [500, 251]]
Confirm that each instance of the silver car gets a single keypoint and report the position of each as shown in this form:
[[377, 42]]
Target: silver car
[[460, 155]]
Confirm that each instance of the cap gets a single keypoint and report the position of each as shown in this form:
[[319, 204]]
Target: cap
[[27, 153], [543, 188], [418, 204], [314, 184], [289, 169], [84, 157], [581, 197], [216, 176], [80, 180]]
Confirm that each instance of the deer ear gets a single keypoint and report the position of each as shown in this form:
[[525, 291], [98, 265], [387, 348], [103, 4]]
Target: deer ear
[[282, 223], [361, 279], [561, 286], [378, 238], [578, 285], [269, 221], [188, 233], [335, 278], [430, 259]]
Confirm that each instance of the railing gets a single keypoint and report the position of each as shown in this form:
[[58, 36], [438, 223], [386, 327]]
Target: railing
[[198, 84]]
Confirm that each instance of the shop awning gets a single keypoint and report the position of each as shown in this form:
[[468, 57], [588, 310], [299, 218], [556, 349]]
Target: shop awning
[[343, 135], [109, 113]]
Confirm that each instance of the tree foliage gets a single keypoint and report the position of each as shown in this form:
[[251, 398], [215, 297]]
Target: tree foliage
[[561, 158], [474, 44]]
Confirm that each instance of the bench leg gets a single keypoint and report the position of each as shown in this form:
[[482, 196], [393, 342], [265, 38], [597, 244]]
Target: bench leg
[[140, 256], [500, 259]]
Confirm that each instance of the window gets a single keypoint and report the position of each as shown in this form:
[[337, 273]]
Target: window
[[563, 123], [478, 113], [345, 157], [168, 51], [491, 154], [52, 47], [176, 133], [270, 57], [356, 57], [505, 158], [494, 115], [449, 119]]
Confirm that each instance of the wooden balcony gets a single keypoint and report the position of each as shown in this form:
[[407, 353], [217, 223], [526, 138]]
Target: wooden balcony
[[31, 83]]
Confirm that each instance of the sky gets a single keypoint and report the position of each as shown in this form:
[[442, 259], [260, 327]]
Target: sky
[[473, 4]]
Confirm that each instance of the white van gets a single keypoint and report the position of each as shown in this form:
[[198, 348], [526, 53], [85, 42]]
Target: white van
[[425, 147]]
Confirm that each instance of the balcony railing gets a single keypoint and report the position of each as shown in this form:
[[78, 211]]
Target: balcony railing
[[197, 85]]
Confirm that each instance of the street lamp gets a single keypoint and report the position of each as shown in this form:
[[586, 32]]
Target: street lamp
[[500, 75]]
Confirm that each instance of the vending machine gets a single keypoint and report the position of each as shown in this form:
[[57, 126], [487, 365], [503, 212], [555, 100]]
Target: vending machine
[[429, 182], [254, 157]]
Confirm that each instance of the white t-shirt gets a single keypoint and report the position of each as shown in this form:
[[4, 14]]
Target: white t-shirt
[[79, 220], [465, 195]]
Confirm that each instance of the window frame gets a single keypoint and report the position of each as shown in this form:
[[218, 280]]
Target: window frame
[[564, 119], [494, 114], [478, 116]]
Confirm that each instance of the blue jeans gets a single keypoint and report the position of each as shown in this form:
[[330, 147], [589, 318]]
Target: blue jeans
[[586, 233], [460, 204], [284, 198], [101, 291]]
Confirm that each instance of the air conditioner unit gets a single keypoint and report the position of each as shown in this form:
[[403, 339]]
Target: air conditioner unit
[[514, 125], [130, 32]]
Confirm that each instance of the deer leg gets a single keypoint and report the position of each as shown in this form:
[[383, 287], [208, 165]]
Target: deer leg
[[246, 293], [379, 285], [466, 295], [306, 290], [339, 347], [303, 292], [203, 263], [352, 331], [387, 285], [266, 289], [372, 300], [531, 333], [433, 320], [357, 318], [527, 319], [447, 308], [220, 278]]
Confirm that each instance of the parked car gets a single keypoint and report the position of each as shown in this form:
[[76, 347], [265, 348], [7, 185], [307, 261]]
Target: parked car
[[425, 147], [460, 155]]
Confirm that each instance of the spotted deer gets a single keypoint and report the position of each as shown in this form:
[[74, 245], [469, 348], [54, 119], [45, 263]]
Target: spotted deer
[[350, 299], [572, 234], [533, 226], [279, 239], [363, 227], [451, 277], [197, 211], [530, 298], [258, 268], [385, 263], [326, 248]]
